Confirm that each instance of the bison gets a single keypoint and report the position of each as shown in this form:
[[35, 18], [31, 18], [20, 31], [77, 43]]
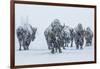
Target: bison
[[53, 38], [79, 36], [25, 35], [66, 35], [88, 36]]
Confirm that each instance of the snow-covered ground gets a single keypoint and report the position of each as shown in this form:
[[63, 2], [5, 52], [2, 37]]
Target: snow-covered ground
[[41, 17], [39, 54]]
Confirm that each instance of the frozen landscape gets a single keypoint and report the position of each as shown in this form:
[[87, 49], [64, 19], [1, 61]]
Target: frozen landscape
[[38, 52]]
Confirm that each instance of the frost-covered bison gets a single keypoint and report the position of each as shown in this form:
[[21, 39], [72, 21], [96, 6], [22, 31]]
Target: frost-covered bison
[[88, 36], [67, 35], [53, 36], [79, 36], [25, 35]]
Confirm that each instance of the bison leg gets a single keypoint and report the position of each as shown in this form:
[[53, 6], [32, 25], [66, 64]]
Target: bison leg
[[52, 51], [63, 45], [27, 44], [59, 50], [27, 47], [56, 49], [81, 44], [77, 46], [24, 47], [90, 42], [49, 46], [81, 47], [67, 44], [71, 43], [19, 46]]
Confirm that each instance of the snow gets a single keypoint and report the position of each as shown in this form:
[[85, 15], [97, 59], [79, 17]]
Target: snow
[[41, 17], [38, 54]]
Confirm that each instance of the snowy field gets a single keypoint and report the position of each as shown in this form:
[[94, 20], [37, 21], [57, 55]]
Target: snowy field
[[41, 17], [39, 54]]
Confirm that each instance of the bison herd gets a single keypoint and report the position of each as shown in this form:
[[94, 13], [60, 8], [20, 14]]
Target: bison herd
[[57, 36]]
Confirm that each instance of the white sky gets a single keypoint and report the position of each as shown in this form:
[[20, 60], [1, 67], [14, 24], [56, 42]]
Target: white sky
[[42, 16]]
